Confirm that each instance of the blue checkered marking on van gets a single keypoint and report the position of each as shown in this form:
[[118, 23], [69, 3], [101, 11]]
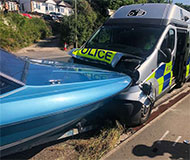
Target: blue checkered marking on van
[[160, 71]]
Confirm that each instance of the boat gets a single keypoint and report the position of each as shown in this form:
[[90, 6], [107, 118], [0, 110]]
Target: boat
[[40, 98]]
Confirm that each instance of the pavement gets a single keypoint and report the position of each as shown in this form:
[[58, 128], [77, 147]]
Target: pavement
[[161, 139]]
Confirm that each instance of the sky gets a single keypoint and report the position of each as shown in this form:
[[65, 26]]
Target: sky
[[182, 1]]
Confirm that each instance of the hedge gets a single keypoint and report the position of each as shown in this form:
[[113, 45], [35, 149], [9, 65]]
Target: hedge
[[17, 31]]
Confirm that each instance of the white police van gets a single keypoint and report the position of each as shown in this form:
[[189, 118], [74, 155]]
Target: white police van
[[150, 43]]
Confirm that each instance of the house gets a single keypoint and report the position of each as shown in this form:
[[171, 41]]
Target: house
[[11, 5], [1, 5], [63, 8], [46, 6]]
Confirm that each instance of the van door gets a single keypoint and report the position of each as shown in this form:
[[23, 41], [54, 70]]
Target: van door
[[164, 73], [188, 57], [182, 57]]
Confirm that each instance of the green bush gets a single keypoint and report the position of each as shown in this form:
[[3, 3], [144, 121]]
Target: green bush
[[17, 31]]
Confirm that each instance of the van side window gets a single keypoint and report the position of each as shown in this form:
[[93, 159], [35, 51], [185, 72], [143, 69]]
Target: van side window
[[168, 43]]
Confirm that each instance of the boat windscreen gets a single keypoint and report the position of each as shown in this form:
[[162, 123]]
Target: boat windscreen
[[12, 66]]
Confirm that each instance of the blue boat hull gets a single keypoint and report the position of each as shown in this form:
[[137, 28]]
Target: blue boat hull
[[25, 119], [42, 98], [24, 135]]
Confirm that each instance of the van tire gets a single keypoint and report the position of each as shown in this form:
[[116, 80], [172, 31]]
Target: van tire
[[134, 114], [179, 84], [141, 116], [182, 78]]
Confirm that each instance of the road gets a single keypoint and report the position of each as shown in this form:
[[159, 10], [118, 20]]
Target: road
[[44, 49], [161, 139]]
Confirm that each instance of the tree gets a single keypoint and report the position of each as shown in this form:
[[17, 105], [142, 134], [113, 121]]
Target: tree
[[111, 4], [101, 7], [141, 1], [115, 4], [85, 24]]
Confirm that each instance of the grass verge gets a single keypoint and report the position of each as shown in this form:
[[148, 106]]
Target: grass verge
[[93, 147], [17, 31], [88, 146]]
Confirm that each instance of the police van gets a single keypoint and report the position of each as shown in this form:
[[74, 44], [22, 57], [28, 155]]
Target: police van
[[148, 42]]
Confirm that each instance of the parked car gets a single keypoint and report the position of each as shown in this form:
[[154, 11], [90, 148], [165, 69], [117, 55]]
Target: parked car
[[52, 14], [59, 15], [47, 17], [27, 15], [56, 16], [50, 18]]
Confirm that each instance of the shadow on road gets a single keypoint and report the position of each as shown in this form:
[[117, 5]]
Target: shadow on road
[[159, 148]]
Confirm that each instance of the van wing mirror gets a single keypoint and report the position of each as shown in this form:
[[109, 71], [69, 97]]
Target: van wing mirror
[[166, 55]]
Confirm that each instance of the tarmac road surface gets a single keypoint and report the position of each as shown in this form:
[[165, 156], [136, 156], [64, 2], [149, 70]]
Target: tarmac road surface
[[44, 49], [161, 139]]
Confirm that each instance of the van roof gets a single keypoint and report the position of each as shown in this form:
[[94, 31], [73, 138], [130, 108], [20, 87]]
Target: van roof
[[151, 13]]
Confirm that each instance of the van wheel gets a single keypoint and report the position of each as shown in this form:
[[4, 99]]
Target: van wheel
[[179, 84], [141, 116], [134, 114], [145, 113], [182, 78]]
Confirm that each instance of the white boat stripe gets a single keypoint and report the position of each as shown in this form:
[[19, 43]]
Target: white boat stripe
[[11, 78], [12, 92]]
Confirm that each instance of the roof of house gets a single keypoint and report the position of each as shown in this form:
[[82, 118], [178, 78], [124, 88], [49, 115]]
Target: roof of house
[[63, 3], [10, 1], [57, 2]]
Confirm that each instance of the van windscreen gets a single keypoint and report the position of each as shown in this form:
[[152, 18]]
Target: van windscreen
[[135, 40]]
